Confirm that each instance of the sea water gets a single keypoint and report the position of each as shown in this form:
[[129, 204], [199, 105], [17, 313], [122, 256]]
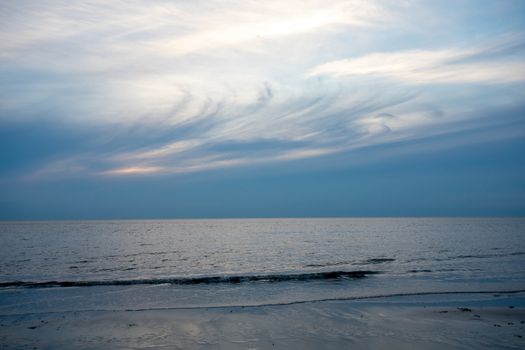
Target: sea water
[[157, 264]]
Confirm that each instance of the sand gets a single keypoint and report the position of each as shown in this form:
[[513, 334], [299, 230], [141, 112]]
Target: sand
[[495, 322]]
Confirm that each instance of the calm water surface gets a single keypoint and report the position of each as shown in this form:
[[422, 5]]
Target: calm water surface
[[62, 266]]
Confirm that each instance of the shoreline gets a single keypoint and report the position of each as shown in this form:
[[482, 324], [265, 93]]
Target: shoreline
[[451, 321]]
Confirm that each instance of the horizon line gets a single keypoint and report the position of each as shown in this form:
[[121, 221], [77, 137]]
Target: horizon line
[[269, 218]]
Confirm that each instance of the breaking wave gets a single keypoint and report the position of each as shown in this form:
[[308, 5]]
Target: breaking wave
[[329, 275]]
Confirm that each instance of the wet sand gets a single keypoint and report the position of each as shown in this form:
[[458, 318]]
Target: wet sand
[[497, 322]]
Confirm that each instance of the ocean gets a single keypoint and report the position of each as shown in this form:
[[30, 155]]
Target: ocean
[[162, 264]]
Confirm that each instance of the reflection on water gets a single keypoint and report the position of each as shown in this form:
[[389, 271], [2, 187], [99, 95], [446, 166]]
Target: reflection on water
[[240, 261]]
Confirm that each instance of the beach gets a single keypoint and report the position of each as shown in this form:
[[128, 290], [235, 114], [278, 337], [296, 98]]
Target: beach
[[341, 174], [450, 283], [472, 321]]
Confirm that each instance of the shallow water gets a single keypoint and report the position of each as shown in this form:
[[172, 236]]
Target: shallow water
[[57, 266]]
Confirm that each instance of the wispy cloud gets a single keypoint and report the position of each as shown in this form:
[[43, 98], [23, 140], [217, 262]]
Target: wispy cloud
[[129, 31], [133, 170], [457, 66], [178, 87]]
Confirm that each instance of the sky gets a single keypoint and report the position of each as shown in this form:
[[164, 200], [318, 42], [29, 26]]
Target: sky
[[188, 109]]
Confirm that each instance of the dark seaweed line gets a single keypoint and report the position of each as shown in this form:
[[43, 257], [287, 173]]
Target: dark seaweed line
[[297, 302], [311, 301], [330, 275]]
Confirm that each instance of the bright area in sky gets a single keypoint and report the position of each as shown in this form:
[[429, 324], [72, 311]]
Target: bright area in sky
[[93, 91]]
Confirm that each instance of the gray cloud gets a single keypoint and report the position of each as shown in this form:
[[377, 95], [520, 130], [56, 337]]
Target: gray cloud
[[178, 87]]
